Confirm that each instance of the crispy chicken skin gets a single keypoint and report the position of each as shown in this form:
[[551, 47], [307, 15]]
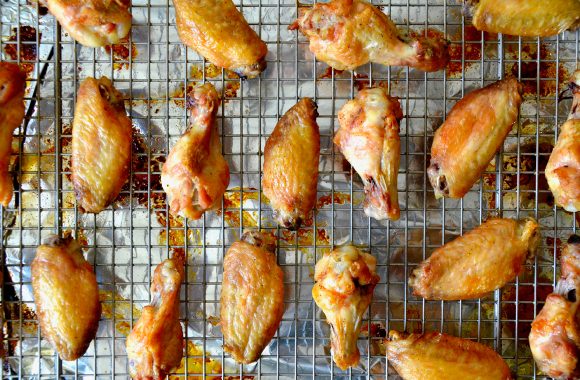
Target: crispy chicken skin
[[196, 175], [345, 281], [155, 345], [532, 18], [220, 33], [555, 334], [368, 138], [437, 356], [93, 23], [12, 87], [473, 133], [252, 297], [66, 296], [349, 33], [482, 260], [101, 144], [291, 159], [563, 168]]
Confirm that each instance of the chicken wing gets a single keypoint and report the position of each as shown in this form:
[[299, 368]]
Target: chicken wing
[[101, 144], [533, 18], [555, 334], [291, 159], [66, 295], [349, 33], [12, 87], [93, 23], [474, 131], [196, 175], [345, 281], [563, 168], [482, 260], [252, 297], [155, 345], [220, 33], [437, 356], [368, 138]]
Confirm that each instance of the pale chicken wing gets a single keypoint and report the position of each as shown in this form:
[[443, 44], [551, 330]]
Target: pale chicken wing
[[473, 133], [12, 86], [155, 345], [368, 138], [291, 159], [349, 33], [66, 295], [101, 144], [196, 174], [481, 261], [345, 281]]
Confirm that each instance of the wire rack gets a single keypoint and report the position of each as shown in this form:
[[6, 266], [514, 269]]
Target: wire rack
[[125, 242]]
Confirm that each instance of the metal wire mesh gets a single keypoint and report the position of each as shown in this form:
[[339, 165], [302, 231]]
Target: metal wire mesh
[[126, 241]]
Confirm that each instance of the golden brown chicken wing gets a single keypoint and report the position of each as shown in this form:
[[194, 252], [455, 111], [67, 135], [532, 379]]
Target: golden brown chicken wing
[[155, 345], [12, 87], [437, 356], [563, 168], [349, 33], [533, 18], [219, 32], [93, 23], [101, 144], [291, 159], [196, 175], [482, 260], [66, 296], [252, 297], [472, 134], [345, 281], [368, 138]]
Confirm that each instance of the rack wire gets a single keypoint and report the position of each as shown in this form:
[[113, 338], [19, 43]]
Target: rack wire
[[126, 241]]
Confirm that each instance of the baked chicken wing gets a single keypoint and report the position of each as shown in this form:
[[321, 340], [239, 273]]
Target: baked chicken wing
[[12, 87], [252, 297], [155, 345], [368, 138], [473, 133], [93, 23], [563, 168], [291, 159], [345, 281], [482, 260], [101, 144], [533, 18], [220, 33], [437, 356], [555, 334], [66, 296], [349, 33], [196, 175]]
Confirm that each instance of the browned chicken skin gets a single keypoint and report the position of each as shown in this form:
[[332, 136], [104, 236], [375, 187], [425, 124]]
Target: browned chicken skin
[[252, 297], [555, 334], [437, 356], [482, 260], [155, 345], [368, 138], [291, 159], [12, 87], [473, 133], [66, 295], [101, 144], [196, 175], [345, 281], [349, 33], [220, 33]]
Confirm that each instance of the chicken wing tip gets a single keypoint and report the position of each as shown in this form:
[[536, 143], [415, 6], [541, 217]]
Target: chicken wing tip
[[259, 239], [574, 239], [67, 240]]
